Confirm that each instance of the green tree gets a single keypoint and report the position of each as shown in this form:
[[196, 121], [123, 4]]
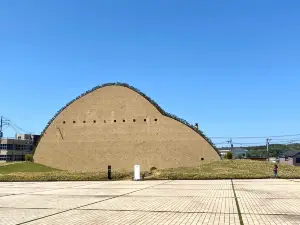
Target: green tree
[[29, 158], [229, 155]]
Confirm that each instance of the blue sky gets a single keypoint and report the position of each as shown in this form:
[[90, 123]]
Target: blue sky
[[231, 66]]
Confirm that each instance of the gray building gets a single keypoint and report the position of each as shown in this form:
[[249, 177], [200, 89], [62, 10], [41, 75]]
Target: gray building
[[291, 157], [15, 149], [236, 152]]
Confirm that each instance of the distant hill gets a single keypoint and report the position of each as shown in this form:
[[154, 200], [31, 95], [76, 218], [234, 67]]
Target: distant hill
[[274, 150]]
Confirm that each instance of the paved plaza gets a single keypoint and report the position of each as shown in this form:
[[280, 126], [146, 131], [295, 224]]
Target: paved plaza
[[272, 201]]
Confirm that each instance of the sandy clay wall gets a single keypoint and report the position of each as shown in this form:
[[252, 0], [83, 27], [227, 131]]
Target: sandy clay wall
[[116, 126]]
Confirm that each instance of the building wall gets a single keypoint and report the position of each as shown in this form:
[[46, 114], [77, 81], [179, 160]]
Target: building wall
[[224, 152], [294, 160], [14, 149], [99, 137], [289, 161], [23, 136], [14, 141]]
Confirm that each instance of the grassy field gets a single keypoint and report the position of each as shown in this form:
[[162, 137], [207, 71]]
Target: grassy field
[[27, 171], [228, 169]]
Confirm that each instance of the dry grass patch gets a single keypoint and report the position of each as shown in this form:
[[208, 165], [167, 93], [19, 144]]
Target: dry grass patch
[[61, 176], [4, 163], [225, 169], [27, 171], [228, 169]]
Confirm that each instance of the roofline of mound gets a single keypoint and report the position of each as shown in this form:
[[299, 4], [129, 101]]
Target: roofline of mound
[[163, 112]]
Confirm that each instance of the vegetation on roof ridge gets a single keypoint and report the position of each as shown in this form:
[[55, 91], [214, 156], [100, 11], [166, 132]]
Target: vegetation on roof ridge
[[163, 112]]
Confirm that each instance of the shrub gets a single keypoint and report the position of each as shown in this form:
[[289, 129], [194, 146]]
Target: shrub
[[152, 169], [229, 155], [29, 158]]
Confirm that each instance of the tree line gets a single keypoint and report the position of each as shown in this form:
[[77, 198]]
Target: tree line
[[275, 150]]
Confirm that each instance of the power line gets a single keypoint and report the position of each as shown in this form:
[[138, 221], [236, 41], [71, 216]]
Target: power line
[[284, 139], [263, 143], [273, 136], [283, 142], [9, 124], [251, 143], [220, 143]]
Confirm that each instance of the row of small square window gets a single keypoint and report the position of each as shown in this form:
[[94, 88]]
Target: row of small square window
[[13, 147], [5, 158], [134, 120]]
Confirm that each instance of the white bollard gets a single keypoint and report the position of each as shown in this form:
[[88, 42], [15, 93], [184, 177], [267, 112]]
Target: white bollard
[[137, 172]]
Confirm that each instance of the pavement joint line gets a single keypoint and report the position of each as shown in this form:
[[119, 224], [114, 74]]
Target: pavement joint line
[[60, 195], [237, 205], [294, 180], [89, 204], [156, 211], [271, 214], [24, 208], [193, 189], [8, 194], [32, 193], [242, 198], [200, 189], [135, 196], [130, 210]]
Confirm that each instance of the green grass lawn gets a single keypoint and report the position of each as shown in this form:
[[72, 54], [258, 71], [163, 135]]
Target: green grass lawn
[[25, 167], [27, 171]]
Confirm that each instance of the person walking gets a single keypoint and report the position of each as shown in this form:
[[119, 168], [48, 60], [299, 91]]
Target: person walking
[[275, 171]]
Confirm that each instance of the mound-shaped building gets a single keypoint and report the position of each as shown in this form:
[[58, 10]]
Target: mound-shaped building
[[115, 124]]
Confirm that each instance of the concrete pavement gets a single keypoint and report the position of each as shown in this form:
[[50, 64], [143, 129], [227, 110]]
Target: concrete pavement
[[151, 202]]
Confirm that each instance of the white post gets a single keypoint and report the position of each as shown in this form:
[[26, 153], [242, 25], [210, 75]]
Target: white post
[[137, 172]]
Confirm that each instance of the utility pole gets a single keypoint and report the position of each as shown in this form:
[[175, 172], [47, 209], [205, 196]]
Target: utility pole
[[231, 144], [3, 122], [267, 143], [1, 126]]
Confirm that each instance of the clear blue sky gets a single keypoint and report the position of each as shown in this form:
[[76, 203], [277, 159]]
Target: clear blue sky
[[231, 66]]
